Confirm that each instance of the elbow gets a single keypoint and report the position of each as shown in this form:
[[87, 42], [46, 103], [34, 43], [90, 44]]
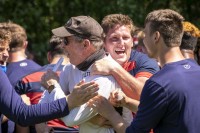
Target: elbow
[[24, 123], [69, 122]]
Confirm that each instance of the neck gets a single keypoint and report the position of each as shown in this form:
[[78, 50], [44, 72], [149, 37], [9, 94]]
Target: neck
[[170, 55], [17, 56], [55, 60], [188, 54], [91, 59]]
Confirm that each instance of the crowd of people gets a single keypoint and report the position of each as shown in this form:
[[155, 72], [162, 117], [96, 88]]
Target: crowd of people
[[103, 77]]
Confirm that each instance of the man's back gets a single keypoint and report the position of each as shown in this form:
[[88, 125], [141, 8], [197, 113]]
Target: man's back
[[177, 106], [17, 70]]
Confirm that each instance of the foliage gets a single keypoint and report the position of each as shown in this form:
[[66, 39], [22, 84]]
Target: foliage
[[38, 17]]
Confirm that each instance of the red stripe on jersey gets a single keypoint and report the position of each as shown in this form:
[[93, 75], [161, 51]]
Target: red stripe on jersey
[[34, 97], [129, 65], [143, 74], [58, 123], [35, 77]]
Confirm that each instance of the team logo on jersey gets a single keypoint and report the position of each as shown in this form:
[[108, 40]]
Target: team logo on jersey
[[187, 66], [86, 74], [23, 64]]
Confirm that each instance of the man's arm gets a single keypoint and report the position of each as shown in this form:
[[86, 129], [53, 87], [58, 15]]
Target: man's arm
[[119, 99], [132, 86], [18, 128], [104, 108], [83, 113], [152, 108], [77, 115], [15, 109]]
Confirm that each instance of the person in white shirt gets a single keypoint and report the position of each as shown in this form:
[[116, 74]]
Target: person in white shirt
[[84, 44]]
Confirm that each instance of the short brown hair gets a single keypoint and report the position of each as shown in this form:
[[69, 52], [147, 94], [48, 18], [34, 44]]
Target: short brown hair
[[112, 20], [18, 35], [168, 23], [4, 37]]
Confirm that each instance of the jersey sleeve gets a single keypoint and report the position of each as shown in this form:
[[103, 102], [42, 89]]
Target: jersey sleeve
[[145, 66], [20, 87], [12, 106], [152, 108]]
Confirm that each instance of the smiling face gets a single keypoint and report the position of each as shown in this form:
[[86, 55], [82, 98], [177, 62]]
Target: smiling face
[[118, 43]]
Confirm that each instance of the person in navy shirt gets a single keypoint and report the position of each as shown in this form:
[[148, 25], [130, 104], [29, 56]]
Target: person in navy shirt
[[169, 102], [17, 65]]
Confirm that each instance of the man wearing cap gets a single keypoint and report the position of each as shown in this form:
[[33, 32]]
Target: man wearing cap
[[12, 106], [82, 37]]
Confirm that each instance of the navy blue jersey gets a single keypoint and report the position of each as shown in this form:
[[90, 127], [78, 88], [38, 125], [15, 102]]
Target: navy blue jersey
[[12, 106], [170, 100], [17, 70], [142, 65]]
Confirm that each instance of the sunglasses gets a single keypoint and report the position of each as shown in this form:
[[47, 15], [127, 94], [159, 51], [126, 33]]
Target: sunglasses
[[65, 41]]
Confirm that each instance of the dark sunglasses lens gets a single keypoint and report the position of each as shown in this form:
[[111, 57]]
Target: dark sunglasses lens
[[65, 41]]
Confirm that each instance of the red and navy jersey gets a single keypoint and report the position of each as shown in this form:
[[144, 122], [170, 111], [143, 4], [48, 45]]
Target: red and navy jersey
[[30, 85], [140, 65], [17, 70]]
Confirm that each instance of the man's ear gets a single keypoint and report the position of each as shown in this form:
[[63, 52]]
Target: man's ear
[[86, 43], [156, 36], [25, 44]]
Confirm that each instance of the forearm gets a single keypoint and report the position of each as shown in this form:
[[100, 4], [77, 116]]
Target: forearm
[[16, 110], [132, 104], [118, 122], [28, 115], [20, 129], [131, 86]]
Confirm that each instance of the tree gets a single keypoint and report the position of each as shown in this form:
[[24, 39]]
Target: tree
[[38, 17]]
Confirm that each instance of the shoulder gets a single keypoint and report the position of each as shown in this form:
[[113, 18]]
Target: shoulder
[[69, 70], [139, 57], [32, 62], [143, 62], [68, 67]]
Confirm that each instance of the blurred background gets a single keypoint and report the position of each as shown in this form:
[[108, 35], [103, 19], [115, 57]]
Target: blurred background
[[38, 17]]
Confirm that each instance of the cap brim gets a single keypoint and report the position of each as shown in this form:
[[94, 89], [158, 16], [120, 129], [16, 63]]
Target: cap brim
[[61, 32]]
